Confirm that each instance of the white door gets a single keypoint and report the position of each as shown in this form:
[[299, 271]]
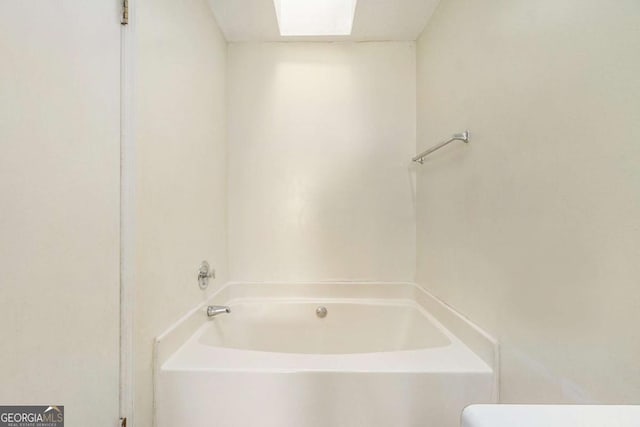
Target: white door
[[59, 206]]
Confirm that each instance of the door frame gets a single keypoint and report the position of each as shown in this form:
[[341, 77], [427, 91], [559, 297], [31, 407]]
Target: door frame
[[127, 213]]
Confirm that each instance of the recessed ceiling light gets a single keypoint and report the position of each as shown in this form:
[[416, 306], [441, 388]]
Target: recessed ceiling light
[[315, 17]]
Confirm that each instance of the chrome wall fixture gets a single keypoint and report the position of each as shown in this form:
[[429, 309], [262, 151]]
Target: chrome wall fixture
[[464, 137], [214, 310], [204, 274]]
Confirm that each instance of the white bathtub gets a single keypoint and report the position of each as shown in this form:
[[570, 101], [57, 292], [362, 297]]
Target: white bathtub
[[350, 326], [379, 358]]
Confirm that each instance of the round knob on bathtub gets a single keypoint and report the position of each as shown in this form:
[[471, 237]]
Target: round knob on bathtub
[[321, 312]]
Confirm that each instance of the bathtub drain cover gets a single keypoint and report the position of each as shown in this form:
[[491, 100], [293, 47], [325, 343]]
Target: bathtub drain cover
[[321, 312]]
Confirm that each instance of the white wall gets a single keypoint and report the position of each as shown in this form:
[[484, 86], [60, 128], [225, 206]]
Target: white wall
[[181, 170], [532, 230], [59, 207], [320, 137]]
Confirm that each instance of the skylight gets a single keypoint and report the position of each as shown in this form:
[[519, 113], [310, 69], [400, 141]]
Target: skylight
[[315, 17]]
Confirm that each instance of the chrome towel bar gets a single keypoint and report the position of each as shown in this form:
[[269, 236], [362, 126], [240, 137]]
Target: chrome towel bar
[[464, 137]]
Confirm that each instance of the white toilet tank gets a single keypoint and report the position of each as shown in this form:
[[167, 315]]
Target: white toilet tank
[[551, 416]]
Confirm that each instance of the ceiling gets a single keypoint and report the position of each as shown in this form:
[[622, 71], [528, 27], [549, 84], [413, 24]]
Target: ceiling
[[255, 20]]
